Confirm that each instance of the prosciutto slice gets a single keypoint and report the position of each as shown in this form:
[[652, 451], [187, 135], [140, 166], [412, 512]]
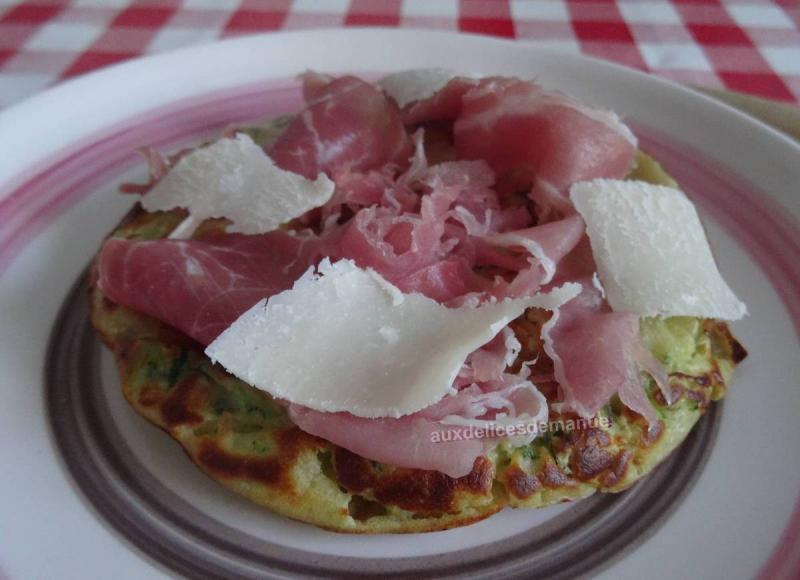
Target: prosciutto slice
[[446, 281], [546, 246], [461, 225], [201, 287], [597, 353], [426, 439], [490, 361], [411, 248], [348, 125], [445, 105], [513, 124], [404, 442]]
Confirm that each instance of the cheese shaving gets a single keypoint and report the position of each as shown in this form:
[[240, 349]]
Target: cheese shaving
[[233, 178], [651, 251], [408, 86], [345, 339]]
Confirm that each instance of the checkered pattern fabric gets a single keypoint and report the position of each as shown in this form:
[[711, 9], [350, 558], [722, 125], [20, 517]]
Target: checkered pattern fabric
[[746, 45]]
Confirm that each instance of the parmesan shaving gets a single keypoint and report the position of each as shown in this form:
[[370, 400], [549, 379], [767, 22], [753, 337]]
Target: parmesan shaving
[[408, 86], [651, 251], [345, 339], [233, 178]]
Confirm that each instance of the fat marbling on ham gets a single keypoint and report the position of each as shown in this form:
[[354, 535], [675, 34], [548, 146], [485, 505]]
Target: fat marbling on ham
[[596, 354], [347, 125], [451, 230], [201, 286]]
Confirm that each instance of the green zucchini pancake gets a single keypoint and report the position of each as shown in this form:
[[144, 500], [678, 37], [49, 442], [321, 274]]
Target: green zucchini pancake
[[416, 302]]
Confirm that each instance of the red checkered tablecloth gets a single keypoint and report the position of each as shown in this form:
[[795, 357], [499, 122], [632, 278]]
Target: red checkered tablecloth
[[745, 45]]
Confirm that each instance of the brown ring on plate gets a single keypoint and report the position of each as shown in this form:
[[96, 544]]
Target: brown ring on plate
[[591, 535]]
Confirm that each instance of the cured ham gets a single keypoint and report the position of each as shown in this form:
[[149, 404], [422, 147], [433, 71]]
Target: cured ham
[[405, 442], [411, 248], [536, 139], [546, 246], [427, 439], [445, 105], [201, 287], [348, 125], [408, 86], [158, 166], [513, 124], [427, 253], [596, 354], [445, 281], [491, 360]]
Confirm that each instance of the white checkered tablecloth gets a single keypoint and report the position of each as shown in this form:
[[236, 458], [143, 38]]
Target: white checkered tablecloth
[[750, 46]]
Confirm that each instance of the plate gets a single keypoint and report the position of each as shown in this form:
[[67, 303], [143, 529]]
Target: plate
[[89, 488]]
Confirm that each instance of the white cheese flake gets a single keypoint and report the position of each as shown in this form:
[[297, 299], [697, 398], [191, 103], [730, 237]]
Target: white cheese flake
[[341, 340], [408, 86], [651, 251], [233, 178], [598, 285]]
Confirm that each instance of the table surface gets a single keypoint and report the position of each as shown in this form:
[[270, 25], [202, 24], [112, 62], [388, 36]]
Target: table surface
[[743, 45]]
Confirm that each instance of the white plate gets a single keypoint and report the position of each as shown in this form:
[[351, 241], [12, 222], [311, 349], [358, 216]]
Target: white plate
[[62, 154]]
